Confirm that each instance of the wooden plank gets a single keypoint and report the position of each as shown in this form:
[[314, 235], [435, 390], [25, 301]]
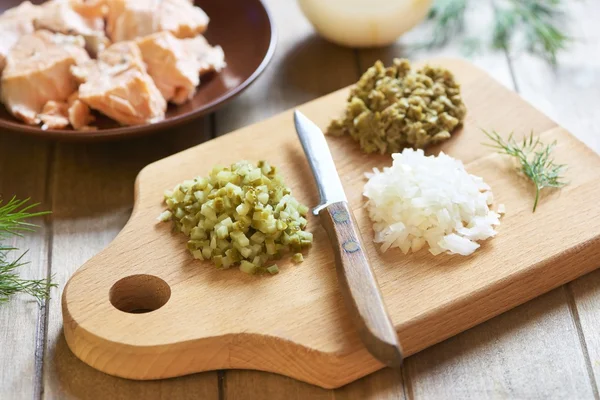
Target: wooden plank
[[387, 384], [23, 166], [304, 67], [256, 385], [529, 352], [569, 94], [92, 197], [495, 363]]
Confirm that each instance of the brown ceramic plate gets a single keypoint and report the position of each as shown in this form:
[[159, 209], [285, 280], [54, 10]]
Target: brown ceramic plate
[[243, 28]]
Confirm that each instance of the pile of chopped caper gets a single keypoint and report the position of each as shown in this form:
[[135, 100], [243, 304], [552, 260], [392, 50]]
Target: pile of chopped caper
[[393, 108]]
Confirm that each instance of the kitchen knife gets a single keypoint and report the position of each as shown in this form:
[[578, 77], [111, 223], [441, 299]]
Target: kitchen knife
[[357, 281]]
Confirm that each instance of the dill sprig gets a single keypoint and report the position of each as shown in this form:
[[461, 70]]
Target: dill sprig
[[449, 16], [538, 21], [13, 216], [534, 158]]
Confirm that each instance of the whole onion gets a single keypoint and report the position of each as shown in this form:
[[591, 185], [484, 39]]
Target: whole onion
[[364, 23]]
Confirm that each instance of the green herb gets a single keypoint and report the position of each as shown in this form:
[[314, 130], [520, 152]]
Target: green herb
[[538, 21], [13, 216], [449, 18], [534, 158]]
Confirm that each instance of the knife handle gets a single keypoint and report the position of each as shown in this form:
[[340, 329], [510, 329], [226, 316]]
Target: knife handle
[[359, 287]]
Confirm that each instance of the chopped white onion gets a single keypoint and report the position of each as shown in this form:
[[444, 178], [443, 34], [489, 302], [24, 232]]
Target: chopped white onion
[[431, 200]]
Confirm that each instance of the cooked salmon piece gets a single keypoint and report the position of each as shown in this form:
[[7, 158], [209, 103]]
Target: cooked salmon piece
[[116, 58], [14, 23], [54, 115], [123, 53], [209, 58], [118, 85], [132, 19], [79, 114], [60, 16], [38, 71], [74, 45], [129, 97], [173, 69], [61, 114], [182, 18], [90, 8]]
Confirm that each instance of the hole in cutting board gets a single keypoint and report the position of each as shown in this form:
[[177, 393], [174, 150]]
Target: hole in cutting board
[[139, 294]]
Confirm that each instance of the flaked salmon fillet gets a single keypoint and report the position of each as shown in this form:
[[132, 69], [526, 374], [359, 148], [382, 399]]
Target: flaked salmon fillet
[[129, 97], [123, 53], [209, 58], [60, 16], [54, 115], [175, 64], [61, 114], [79, 114], [131, 19], [118, 85], [182, 18], [14, 23], [116, 58], [38, 71], [90, 8], [171, 66]]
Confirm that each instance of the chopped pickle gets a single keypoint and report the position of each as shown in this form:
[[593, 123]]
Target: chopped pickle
[[242, 214], [273, 269], [392, 108], [165, 216], [298, 258], [247, 267]]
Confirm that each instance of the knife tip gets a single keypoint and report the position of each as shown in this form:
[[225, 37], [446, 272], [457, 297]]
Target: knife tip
[[298, 115]]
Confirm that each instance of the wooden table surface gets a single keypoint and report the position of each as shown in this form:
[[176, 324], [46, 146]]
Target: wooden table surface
[[547, 348]]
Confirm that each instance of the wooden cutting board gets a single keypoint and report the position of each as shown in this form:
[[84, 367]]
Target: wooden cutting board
[[294, 323]]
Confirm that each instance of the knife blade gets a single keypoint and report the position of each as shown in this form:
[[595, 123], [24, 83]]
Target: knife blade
[[319, 158], [356, 278]]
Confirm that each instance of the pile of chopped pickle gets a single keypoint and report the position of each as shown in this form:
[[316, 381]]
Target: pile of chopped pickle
[[243, 214], [393, 108]]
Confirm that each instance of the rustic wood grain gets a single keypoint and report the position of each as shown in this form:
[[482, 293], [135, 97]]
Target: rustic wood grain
[[531, 352], [504, 273], [92, 198], [569, 91], [568, 94], [23, 166]]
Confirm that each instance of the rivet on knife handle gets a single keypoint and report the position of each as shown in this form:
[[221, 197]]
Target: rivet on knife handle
[[357, 281]]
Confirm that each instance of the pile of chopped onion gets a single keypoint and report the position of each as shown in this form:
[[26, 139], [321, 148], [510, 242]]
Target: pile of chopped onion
[[429, 200], [243, 214]]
